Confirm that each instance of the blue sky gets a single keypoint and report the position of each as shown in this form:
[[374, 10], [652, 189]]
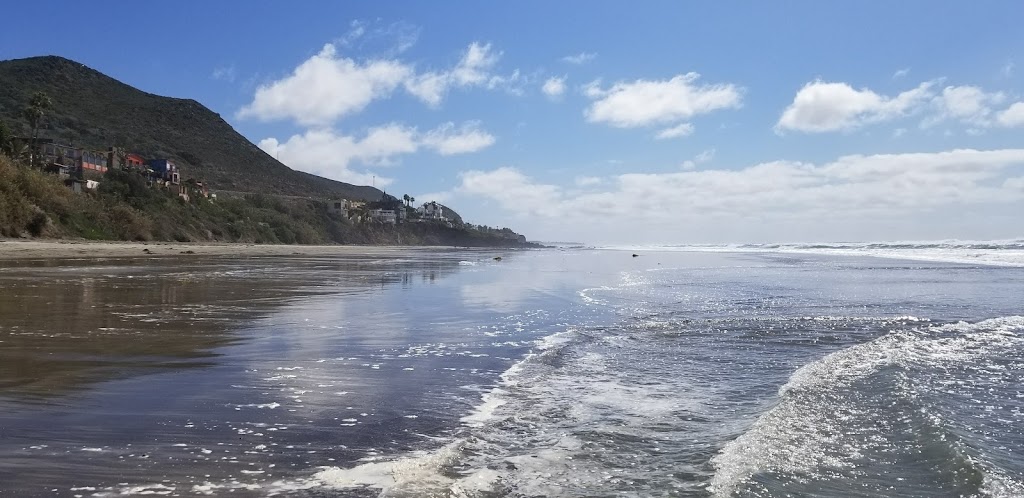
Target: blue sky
[[607, 122]]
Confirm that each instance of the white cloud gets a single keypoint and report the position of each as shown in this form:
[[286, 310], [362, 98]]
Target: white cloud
[[580, 58], [824, 106], [448, 140], [966, 104], [554, 87], [644, 102], [224, 73], [899, 132], [475, 66], [901, 73], [853, 195], [588, 181], [380, 37], [1012, 116], [441, 197], [511, 188], [327, 153], [328, 87], [703, 157], [1007, 69], [593, 89], [324, 88], [681, 130]]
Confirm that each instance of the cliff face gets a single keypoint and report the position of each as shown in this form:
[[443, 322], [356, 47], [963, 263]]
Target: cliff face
[[93, 110]]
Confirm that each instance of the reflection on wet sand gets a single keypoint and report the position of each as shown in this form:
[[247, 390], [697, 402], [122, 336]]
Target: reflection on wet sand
[[202, 375], [66, 324]]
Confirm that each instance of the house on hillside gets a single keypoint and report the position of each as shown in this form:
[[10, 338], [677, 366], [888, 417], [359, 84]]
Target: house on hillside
[[164, 169], [339, 207], [68, 160], [384, 216], [432, 211], [122, 159]]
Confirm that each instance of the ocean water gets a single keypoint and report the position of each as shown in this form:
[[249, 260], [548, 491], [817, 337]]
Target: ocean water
[[769, 371]]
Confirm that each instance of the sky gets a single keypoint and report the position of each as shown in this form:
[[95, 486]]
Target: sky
[[658, 122]]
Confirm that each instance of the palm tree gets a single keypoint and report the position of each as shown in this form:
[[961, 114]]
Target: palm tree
[[411, 201], [34, 112], [405, 197]]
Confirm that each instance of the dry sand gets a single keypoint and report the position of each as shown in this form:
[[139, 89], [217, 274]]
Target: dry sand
[[55, 249]]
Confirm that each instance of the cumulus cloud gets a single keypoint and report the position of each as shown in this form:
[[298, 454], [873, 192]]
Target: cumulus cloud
[[681, 130], [646, 102], [779, 196], [554, 87], [328, 86], [829, 107], [822, 106], [966, 104], [580, 58], [331, 154], [510, 187], [448, 140], [1012, 116], [324, 88]]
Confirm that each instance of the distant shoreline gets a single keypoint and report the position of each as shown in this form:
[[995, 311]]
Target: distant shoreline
[[18, 249]]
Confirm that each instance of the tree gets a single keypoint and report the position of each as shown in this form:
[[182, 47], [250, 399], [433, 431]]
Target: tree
[[34, 113], [406, 198], [6, 140], [411, 200]]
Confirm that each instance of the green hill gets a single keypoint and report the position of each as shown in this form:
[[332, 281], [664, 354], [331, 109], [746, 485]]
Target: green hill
[[262, 200], [93, 110]]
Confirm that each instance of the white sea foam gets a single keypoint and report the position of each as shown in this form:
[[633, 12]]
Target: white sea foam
[[799, 435], [994, 253]]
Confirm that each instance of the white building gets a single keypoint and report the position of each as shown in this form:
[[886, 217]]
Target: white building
[[384, 215], [432, 211]]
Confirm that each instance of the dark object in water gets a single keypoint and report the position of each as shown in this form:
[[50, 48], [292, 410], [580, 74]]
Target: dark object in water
[[147, 251], [497, 258], [188, 252], [635, 255]]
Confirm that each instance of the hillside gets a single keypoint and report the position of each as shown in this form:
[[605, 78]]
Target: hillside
[[93, 110]]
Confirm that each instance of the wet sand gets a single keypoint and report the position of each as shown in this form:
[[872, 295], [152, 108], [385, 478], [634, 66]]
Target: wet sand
[[69, 249]]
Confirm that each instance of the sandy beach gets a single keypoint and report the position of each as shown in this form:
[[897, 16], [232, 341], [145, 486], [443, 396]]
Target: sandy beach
[[58, 249]]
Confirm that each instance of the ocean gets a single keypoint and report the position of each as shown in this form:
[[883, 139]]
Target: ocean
[[709, 371]]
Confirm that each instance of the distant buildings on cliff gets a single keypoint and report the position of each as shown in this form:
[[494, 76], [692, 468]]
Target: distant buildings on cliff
[[82, 168]]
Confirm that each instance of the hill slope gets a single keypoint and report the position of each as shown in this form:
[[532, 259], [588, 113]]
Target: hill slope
[[94, 110]]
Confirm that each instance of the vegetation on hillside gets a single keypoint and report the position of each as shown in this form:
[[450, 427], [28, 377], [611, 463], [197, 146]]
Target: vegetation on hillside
[[90, 109], [124, 207], [261, 200]]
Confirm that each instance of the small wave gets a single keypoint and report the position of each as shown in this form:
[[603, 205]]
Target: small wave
[[806, 431], [995, 252]]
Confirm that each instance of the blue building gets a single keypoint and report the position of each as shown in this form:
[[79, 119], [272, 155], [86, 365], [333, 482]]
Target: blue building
[[165, 170]]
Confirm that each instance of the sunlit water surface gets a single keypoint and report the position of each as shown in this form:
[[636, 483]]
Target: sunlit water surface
[[545, 373]]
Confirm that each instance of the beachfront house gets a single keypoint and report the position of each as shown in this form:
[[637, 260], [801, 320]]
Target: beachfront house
[[432, 211], [68, 160], [124, 160], [164, 169], [384, 216], [339, 207]]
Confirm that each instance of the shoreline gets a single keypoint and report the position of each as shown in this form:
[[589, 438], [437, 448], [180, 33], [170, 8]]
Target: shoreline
[[19, 249]]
